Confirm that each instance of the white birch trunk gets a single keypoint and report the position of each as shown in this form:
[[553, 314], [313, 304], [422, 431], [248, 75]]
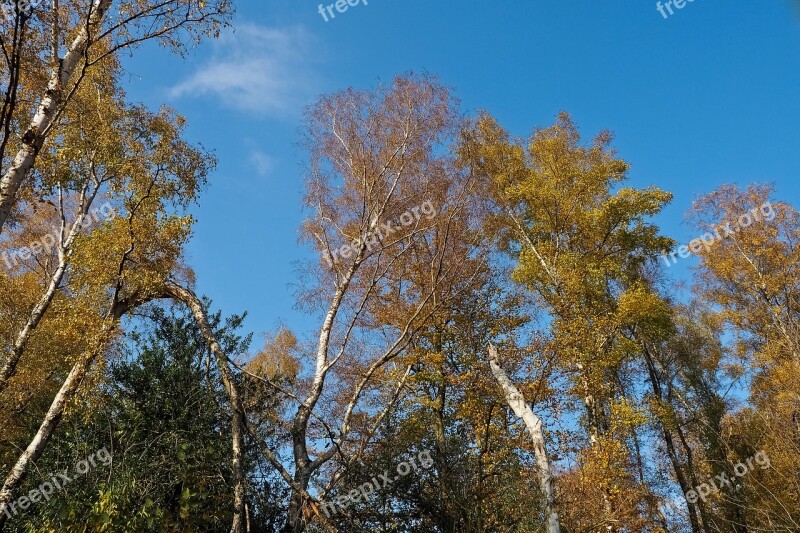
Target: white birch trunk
[[65, 249], [521, 408], [50, 422], [238, 422], [53, 98]]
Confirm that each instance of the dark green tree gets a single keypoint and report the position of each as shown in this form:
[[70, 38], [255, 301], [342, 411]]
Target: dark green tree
[[161, 414]]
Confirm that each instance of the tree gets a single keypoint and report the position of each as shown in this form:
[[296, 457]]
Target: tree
[[123, 262], [521, 408], [748, 276], [582, 243], [90, 36], [390, 220]]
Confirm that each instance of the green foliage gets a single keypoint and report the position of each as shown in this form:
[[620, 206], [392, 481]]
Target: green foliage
[[162, 415]]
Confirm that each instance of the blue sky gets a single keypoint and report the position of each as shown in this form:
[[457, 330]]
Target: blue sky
[[709, 96]]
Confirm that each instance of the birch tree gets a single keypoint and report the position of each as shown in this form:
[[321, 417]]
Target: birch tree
[[748, 280], [523, 410], [238, 420], [581, 242], [123, 262], [76, 38], [391, 224]]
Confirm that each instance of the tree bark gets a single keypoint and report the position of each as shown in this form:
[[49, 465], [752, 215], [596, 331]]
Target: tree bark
[[521, 408], [51, 420], [295, 521], [238, 422], [53, 98], [65, 249]]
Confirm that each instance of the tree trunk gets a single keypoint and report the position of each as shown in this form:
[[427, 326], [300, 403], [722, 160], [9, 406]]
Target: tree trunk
[[521, 408], [65, 249], [53, 98], [294, 515], [49, 424], [10, 366], [238, 422], [669, 441]]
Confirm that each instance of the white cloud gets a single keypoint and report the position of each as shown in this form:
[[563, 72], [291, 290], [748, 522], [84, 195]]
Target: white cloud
[[261, 162], [257, 70]]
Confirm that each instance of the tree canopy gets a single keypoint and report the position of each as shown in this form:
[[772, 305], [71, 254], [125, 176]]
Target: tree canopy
[[498, 344]]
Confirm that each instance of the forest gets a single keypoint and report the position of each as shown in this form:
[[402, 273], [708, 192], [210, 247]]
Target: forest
[[500, 340]]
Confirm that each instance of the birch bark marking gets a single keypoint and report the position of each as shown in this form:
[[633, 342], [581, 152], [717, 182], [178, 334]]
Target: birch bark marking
[[238, 421], [33, 138], [52, 419], [521, 408], [64, 251]]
